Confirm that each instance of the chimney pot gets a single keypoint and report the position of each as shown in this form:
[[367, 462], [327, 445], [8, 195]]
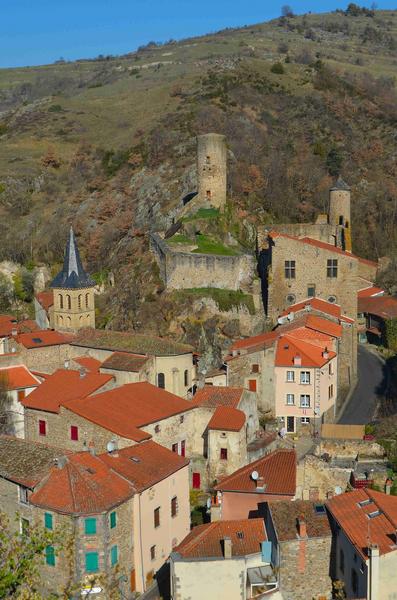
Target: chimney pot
[[260, 483], [91, 448], [227, 547], [82, 373], [302, 529]]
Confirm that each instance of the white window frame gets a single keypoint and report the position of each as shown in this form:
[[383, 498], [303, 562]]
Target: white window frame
[[23, 494], [287, 400], [305, 377], [290, 380], [305, 420], [304, 401]]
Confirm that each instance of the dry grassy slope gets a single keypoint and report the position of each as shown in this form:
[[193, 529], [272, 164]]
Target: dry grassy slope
[[280, 129]]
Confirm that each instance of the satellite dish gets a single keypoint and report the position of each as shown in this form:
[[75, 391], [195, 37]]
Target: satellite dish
[[338, 490], [110, 446], [208, 503], [316, 411], [254, 475]]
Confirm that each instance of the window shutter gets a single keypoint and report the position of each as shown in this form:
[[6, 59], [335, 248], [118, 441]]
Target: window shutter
[[266, 552], [113, 520], [114, 558], [91, 562], [50, 556], [90, 526], [48, 520]]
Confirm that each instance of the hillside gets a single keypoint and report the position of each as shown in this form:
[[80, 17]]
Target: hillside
[[109, 145]]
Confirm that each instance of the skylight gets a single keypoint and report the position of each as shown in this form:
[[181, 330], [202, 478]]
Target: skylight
[[240, 535], [319, 509], [365, 502], [135, 459], [37, 340], [374, 514]]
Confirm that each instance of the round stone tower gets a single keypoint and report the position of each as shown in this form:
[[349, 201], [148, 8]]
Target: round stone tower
[[339, 213], [211, 169]]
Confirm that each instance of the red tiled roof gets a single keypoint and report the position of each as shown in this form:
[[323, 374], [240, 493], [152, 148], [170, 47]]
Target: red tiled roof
[[62, 386], [125, 409], [46, 299], [89, 363], [370, 291], [8, 323], [324, 326], [311, 354], [227, 418], [329, 308], [278, 470], [125, 361], [144, 464], [285, 515], [43, 337], [262, 340], [381, 306], [18, 377], [212, 396], [356, 524], [205, 541], [323, 245], [84, 485]]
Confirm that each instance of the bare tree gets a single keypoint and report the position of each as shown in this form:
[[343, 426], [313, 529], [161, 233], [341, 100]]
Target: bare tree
[[286, 11]]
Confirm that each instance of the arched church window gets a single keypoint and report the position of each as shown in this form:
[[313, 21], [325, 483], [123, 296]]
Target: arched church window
[[161, 380], [60, 298], [69, 301], [79, 301], [87, 300]]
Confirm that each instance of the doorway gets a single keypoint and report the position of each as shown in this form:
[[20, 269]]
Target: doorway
[[290, 424]]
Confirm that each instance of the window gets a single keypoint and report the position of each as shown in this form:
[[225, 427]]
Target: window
[[50, 556], [331, 368], [332, 267], [181, 418], [332, 299], [290, 399], [42, 427], [341, 560], [113, 519], [48, 524], [87, 300], [186, 378], [290, 376], [223, 453], [69, 301], [60, 297], [152, 552], [254, 368], [91, 562], [183, 448], [252, 385], [21, 395], [311, 290], [305, 377], [24, 527], [354, 579], [74, 433], [330, 392], [305, 401], [290, 299], [305, 420], [289, 269], [90, 526], [174, 506], [114, 555], [157, 429], [161, 380], [174, 448], [156, 515], [23, 495], [79, 301]]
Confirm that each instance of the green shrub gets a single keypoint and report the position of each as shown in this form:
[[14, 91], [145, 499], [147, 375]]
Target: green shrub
[[56, 108], [278, 68]]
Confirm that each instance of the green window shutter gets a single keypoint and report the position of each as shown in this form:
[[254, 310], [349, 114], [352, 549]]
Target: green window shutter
[[113, 519], [90, 526], [50, 556], [48, 520], [114, 555], [91, 562]]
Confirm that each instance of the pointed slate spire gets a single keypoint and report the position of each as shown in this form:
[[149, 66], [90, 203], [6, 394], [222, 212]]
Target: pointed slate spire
[[72, 275], [341, 185]]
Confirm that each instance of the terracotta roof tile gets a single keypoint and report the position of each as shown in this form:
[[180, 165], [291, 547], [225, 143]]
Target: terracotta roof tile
[[43, 337], [125, 409], [46, 299], [285, 515], [311, 355], [125, 361], [124, 341], [278, 470], [370, 291], [144, 464], [356, 524], [24, 461], [262, 340], [8, 323], [62, 386], [212, 396], [83, 485], [18, 377], [227, 418], [318, 304], [88, 362], [205, 541], [381, 306]]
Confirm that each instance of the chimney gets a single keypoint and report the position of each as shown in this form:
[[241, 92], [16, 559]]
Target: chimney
[[302, 530], [227, 547], [91, 448], [373, 584], [60, 461], [14, 331], [66, 363], [326, 353], [297, 360], [388, 485], [82, 373], [260, 483]]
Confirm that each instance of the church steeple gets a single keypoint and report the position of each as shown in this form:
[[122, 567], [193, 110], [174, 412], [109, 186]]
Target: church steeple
[[74, 300]]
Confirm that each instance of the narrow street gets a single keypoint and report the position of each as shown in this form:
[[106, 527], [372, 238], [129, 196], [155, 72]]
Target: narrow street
[[371, 381]]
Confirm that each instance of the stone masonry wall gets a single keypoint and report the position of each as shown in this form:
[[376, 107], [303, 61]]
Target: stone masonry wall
[[183, 270], [240, 373]]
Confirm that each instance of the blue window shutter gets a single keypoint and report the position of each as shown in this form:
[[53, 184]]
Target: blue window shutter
[[48, 520], [50, 556], [266, 552], [90, 526], [114, 555], [91, 562]]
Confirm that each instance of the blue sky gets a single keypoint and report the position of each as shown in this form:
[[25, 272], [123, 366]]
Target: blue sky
[[40, 31]]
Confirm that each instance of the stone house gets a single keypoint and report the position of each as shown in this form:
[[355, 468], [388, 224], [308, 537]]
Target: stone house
[[124, 510], [226, 559], [364, 525], [19, 383], [132, 357], [270, 478], [42, 350], [10, 326], [226, 421], [301, 540], [373, 312]]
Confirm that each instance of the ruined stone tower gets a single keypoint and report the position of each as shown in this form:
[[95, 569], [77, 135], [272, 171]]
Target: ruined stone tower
[[211, 169], [74, 305], [339, 213]]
